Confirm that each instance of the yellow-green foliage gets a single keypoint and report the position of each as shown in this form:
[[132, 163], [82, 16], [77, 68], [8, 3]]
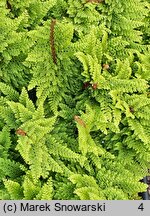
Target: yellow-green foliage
[[77, 128]]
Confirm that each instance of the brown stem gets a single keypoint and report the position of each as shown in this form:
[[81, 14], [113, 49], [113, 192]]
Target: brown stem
[[52, 41]]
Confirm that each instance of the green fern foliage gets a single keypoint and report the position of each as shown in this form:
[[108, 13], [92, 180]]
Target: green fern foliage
[[74, 99], [14, 189]]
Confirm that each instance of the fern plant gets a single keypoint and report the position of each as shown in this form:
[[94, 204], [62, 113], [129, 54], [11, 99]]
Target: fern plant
[[74, 99]]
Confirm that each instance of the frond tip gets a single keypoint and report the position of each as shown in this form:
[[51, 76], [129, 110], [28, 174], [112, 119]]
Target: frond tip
[[79, 121]]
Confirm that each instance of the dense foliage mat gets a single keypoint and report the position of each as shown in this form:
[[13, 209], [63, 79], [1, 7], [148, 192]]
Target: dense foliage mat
[[74, 99]]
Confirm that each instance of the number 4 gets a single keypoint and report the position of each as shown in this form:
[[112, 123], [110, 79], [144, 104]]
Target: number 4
[[141, 207]]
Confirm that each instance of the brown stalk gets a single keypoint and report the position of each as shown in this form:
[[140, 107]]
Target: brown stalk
[[52, 41]]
